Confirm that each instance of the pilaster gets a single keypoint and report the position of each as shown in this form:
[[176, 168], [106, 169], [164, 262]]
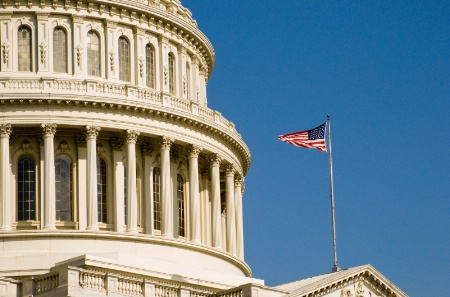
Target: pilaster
[[48, 133], [216, 223], [5, 185], [82, 190], [43, 53], [118, 182]]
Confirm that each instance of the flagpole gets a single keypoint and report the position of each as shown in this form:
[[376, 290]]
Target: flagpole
[[333, 223]]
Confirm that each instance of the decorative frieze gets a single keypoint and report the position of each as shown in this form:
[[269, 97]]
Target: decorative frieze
[[146, 149], [117, 143]]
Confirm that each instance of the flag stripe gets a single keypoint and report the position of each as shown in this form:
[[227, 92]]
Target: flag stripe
[[314, 138]]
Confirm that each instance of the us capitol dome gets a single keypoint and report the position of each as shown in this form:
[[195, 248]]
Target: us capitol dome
[[116, 179]]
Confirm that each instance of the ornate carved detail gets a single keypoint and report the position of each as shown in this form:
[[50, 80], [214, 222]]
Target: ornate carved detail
[[79, 5], [100, 150], [43, 51], [205, 172], [48, 129], [166, 75], [181, 167], [5, 52], [111, 59], [164, 142], [242, 189], [5, 130], [229, 169], [92, 132], [117, 143], [157, 161], [77, 19], [198, 93], [17, 3], [238, 180], [184, 85], [146, 149], [193, 150], [359, 289], [132, 135], [141, 66], [346, 293], [42, 16], [174, 155], [90, 7], [30, 3], [64, 146], [79, 49], [80, 139], [26, 146], [67, 5], [215, 159]]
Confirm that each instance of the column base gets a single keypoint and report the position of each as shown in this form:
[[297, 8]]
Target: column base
[[167, 236], [50, 227], [5, 228], [92, 228], [133, 231]]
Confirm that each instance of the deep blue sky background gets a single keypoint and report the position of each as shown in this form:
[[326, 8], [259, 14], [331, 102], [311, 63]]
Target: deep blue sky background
[[381, 69]]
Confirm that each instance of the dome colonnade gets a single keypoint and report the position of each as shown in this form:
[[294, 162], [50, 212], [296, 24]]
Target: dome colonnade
[[105, 126]]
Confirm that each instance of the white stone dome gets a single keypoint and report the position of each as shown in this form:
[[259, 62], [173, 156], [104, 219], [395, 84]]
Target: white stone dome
[[108, 148]]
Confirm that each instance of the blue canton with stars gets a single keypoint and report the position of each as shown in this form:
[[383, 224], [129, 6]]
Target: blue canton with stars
[[317, 133]]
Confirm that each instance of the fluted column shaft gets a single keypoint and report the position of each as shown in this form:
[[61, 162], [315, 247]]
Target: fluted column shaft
[[194, 193], [166, 197], [238, 189], [131, 182], [215, 202], [5, 190], [48, 133], [91, 177], [231, 219]]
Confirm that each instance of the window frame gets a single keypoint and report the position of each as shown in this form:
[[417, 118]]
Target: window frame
[[30, 50], [124, 60], [89, 50], [65, 53]]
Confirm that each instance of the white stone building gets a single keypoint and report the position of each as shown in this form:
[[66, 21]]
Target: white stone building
[[116, 178]]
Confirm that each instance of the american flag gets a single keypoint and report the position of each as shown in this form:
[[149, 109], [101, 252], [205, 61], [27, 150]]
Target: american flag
[[314, 138]]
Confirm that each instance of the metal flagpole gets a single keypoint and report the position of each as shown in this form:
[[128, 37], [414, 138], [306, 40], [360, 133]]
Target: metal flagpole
[[333, 224]]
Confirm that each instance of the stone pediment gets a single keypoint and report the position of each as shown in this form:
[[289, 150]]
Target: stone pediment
[[361, 281]]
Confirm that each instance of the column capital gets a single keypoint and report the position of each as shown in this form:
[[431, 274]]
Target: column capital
[[132, 136], [229, 169], [193, 150], [48, 129], [92, 132], [165, 142], [215, 159], [80, 139], [5, 130], [238, 180], [146, 149]]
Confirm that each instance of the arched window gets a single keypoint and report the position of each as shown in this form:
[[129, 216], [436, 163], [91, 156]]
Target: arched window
[[101, 190], [171, 74], [26, 189], [150, 66], [24, 48], [124, 59], [63, 187], [188, 80], [181, 206], [59, 50], [157, 199], [93, 54]]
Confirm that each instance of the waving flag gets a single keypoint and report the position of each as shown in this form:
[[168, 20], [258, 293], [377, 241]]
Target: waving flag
[[314, 138]]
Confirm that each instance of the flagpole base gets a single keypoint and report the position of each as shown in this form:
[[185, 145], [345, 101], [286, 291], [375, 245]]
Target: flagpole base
[[335, 268]]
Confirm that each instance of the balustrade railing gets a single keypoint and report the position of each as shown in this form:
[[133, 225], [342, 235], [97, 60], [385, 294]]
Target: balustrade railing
[[130, 286], [161, 291], [92, 280], [115, 91], [234, 293], [46, 283]]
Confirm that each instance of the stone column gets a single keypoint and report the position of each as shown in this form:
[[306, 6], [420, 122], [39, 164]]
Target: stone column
[[118, 183], [5, 186], [215, 202], [193, 151], [132, 210], [238, 191], [91, 177], [166, 194], [146, 149], [48, 132], [231, 219], [82, 157]]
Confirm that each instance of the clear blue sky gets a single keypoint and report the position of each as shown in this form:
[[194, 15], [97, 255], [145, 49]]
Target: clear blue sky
[[381, 69]]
